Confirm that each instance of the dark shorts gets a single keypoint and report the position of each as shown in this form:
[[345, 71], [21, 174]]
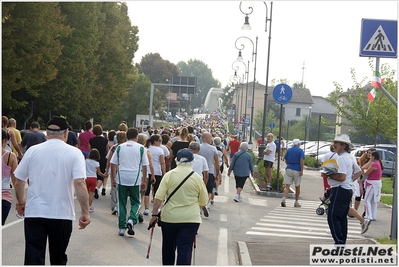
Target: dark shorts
[[211, 183], [267, 164], [240, 181]]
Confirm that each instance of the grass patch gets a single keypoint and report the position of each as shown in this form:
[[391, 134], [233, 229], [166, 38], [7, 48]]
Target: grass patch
[[387, 183], [387, 200], [387, 240]]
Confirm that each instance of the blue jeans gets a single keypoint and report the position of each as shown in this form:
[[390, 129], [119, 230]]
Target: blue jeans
[[338, 208], [180, 236]]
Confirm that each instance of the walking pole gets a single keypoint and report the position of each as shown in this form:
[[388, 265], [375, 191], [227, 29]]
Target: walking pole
[[195, 246], [149, 245]]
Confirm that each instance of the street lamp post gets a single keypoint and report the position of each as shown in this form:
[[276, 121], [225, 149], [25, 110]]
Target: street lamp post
[[254, 54], [248, 27], [246, 95], [235, 80]]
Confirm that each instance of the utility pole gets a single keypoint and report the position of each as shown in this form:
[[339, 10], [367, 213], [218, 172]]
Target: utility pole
[[303, 74]]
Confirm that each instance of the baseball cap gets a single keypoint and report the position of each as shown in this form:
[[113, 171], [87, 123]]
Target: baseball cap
[[185, 155], [296, 142], [57, 121]]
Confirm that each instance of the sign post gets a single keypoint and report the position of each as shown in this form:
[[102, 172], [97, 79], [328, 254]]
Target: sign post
[[282, 94], [379, 38]]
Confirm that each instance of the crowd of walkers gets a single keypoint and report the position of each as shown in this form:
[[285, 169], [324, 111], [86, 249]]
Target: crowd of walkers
[[146, 167], [176, 170]]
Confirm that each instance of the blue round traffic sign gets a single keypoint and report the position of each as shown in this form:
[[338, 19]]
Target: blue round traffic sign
[[282, 93], [271, 125]]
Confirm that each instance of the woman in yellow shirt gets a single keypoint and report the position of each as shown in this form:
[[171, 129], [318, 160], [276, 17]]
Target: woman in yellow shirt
[[181, 214]]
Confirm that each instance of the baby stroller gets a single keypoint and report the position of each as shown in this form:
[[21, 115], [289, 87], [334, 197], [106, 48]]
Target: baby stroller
[[323, 207], [329, 167]]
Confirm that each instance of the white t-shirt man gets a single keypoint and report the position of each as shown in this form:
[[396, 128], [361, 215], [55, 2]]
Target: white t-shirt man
[[200, 165], [346, 166], [48, 196], [272, 147], [130, 163]]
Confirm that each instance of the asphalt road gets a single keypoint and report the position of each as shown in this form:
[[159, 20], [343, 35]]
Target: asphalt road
[[256, 231]]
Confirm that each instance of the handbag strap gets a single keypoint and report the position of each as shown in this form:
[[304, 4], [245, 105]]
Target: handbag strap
[[174, 191], [236, 160]]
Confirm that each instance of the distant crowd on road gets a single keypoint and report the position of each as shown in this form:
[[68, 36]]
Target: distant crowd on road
[[140, 164], [150, 166]]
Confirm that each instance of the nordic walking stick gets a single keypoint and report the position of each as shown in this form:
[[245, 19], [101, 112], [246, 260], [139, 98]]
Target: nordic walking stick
[[149, 245], [195, 246]]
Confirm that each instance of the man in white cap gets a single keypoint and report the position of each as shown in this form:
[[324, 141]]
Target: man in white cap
[[341, 191], [294, 158], [56, 172]]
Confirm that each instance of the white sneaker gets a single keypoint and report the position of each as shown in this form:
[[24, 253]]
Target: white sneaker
[[121, 232], [365, 226], [146, 212], [91, 209], [237, 198], [240, 198]]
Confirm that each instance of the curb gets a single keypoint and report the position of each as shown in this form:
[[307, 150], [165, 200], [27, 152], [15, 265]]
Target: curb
[[243, 254], [270, 194]]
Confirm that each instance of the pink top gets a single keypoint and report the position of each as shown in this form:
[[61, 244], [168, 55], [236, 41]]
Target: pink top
[[110, 144], [84, 140], [6, 174], [376, 174]]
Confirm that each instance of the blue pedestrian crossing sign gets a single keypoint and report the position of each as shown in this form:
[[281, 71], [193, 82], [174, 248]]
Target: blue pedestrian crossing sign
[[282, 93], [379, 38]]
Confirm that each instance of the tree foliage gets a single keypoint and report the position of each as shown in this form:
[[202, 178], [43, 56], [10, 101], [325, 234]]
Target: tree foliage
[[32, 35], [136, 102], [68, 58], [205, 79], [374, 118], [157, 69]]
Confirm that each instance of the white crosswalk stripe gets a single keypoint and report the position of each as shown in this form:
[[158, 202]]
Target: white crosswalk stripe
[[300, 222]]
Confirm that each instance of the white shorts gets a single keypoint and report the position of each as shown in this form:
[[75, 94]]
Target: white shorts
[[292, 176], [355, 189]]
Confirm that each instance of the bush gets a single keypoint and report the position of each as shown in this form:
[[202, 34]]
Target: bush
[[254, 158], [311, 162], [262, 171]]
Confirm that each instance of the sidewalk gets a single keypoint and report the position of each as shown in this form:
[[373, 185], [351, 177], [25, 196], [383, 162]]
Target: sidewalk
[[272, 249]]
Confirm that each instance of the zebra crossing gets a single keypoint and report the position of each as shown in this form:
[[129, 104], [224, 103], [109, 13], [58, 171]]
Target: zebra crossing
[[300, 222]]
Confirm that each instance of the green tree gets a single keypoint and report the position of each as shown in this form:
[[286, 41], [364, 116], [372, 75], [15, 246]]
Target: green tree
[[374, 118], [118, 43], [271, 117], [72, 92], [205, 79], [157, 70], [32, 33], [136, 102]]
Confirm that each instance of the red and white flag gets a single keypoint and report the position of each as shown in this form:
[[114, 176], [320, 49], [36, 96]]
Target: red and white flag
[[376, 84]]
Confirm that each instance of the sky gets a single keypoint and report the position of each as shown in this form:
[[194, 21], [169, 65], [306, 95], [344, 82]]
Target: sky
[[314, 41]]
